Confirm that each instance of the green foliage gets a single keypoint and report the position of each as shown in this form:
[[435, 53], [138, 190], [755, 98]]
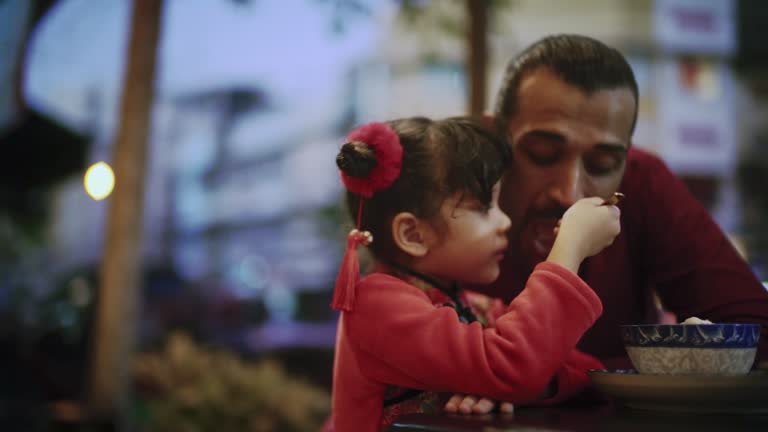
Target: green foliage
[[187, 388]]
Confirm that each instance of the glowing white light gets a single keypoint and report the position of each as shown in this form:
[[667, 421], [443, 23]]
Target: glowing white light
[[99, 180]]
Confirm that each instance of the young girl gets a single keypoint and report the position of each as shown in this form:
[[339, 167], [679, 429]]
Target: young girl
[[424, 195]]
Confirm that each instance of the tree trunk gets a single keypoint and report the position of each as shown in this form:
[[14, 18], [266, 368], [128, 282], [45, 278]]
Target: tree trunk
[[121, 273], [477, 53]]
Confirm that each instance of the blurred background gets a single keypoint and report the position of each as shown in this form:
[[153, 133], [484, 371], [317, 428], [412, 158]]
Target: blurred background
[[238, 229]]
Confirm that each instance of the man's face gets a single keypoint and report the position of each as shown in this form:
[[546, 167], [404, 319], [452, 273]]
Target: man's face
[[567, 145]]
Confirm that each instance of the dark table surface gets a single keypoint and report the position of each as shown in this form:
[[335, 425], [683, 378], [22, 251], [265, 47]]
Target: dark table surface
[[605, 417]]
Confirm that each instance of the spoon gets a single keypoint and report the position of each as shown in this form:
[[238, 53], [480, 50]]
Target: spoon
[[614, 199]]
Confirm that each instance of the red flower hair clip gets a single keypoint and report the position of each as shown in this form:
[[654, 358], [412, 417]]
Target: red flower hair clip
[[385, 144], [368, 162]]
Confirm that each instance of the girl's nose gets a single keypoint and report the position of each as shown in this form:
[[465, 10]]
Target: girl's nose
[[504, 221]]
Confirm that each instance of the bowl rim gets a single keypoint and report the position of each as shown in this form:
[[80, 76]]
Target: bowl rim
[[751, 325], [718, 336]]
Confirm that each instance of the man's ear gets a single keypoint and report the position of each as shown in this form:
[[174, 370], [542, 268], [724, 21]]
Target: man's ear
[[411, 234]]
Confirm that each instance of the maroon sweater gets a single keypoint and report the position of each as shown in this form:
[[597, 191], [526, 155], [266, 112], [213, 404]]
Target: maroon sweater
[[668, 243]]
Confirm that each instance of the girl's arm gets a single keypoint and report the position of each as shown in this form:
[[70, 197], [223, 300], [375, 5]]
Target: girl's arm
[[402, 339]]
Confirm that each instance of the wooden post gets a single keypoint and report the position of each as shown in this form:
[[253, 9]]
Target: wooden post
[[477, 53], [121, 273]]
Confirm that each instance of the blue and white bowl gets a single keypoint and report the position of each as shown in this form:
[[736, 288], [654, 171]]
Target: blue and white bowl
[[692, 349]]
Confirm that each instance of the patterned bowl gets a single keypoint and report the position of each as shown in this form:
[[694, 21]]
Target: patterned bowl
[[692, 349]]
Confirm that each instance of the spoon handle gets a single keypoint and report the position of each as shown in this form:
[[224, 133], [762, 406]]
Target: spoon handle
[[614, 199]]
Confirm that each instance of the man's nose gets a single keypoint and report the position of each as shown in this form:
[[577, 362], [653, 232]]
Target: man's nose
[[568, 185]]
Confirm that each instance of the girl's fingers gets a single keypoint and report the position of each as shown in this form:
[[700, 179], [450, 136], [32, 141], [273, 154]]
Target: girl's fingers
[[483, 406], [507, 408], [467, 404], [453, 403]]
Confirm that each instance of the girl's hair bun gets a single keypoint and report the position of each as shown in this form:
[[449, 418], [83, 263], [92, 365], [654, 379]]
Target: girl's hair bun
[[356, 159]]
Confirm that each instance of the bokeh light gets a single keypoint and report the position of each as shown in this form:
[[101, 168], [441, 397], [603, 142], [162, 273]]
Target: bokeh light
[[99, 180]]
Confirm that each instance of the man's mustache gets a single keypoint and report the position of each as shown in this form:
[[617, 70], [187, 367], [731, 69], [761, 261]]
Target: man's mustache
[[548, 213]]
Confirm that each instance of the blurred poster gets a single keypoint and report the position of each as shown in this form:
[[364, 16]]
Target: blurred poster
[[695, 26], [696, 106]]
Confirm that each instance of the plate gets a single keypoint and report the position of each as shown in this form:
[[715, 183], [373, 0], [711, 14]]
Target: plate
[[743, 394]]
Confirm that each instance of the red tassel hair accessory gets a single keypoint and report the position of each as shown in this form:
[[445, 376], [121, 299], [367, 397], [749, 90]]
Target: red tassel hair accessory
[[369, 161]]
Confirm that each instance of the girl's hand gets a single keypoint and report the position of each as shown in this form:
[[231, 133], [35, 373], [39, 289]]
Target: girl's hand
[[468, 404], [586, 228]]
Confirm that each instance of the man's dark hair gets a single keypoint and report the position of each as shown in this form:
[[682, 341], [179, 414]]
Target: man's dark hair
[[580, 61]]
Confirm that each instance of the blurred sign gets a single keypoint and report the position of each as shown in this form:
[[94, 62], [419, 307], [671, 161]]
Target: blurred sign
[[695, 26], [696, 106]]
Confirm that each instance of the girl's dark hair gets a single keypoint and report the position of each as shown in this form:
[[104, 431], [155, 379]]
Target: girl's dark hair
[[440, 158], [580, 61]]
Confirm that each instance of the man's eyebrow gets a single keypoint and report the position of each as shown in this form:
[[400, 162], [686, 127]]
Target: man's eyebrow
[[611, 147]]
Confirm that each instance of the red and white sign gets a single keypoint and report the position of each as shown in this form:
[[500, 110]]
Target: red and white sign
[[695, 26], [696, 116]]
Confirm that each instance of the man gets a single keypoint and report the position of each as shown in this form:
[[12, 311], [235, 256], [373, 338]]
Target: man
[[568, 107]]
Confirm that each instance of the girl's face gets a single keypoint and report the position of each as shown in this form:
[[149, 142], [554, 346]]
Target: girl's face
[[471, 244]]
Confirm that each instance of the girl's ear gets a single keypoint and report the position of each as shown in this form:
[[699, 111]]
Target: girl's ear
[[411, 234]]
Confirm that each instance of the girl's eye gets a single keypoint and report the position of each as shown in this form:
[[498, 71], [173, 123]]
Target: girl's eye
[[477, 206], [484, 208]]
